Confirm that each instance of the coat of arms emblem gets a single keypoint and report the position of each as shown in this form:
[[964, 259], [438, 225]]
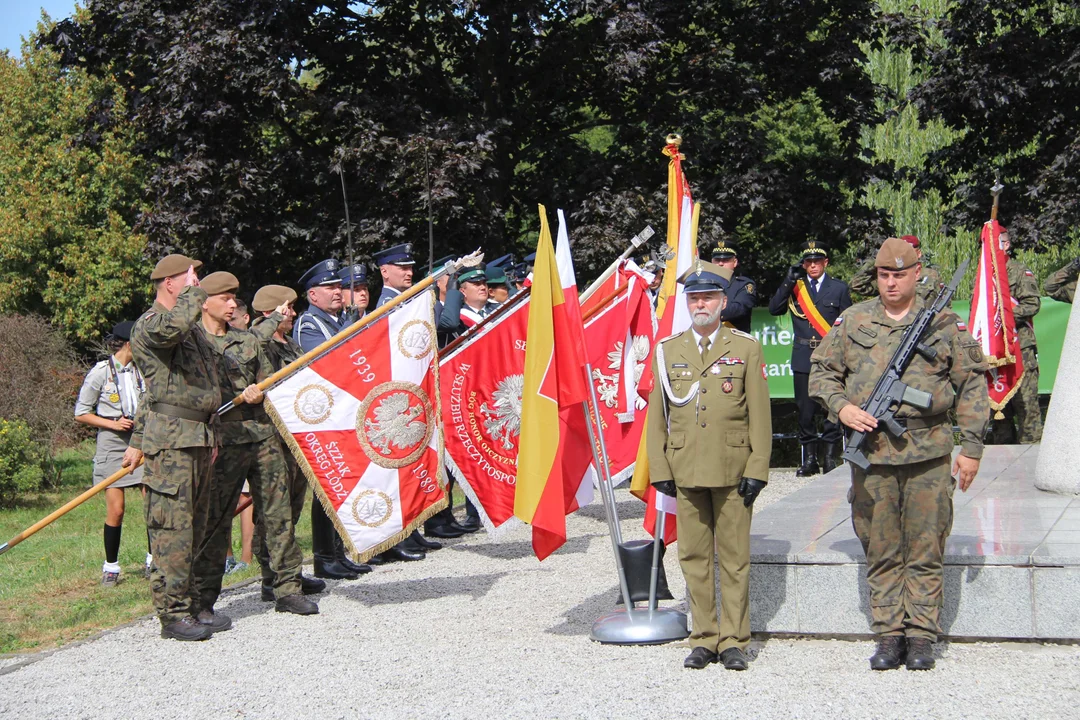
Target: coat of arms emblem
[[394, 424], [607, 386], [502, 420]]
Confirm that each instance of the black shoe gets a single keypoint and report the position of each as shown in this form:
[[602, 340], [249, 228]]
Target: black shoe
[[333, 570], [353, 567], [471, 524], [376, 560], [920, 654], [733, 659], [443, 530], [313, 586], [828, 461], [296, 604], [890, 651], [699, 658], [217, 622], [422, 543], [186, 629], [399, 553], [809, 462]]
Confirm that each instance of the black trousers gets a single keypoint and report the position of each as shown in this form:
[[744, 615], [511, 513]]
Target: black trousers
[[808, 411]]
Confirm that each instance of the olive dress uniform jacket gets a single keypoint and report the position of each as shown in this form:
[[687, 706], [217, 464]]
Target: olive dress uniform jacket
[[723, 432], [831, 299]]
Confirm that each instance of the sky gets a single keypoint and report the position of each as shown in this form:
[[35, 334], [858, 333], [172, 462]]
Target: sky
[[19, 18]]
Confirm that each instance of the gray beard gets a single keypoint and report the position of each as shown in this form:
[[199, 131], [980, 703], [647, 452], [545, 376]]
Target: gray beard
[[703, 321]]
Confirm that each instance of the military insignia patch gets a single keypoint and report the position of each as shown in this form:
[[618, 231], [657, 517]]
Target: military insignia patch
[[839, 321], [899, 262], [727, 386], [763, 375], [715, 369], [115, 397], [975, 354], [961, 325], [750, 288]]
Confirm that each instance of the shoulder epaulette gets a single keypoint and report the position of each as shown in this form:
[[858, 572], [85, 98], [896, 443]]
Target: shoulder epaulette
[[740, 333], [669, 337]]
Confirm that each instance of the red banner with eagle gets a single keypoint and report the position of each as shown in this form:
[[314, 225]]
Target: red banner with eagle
[[363, 423]]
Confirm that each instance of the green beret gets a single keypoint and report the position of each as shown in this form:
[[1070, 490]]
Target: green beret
[[219, 282], [171, 265], [270, 297]]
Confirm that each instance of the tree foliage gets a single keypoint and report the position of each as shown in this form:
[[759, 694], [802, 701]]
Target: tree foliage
[[69, 196]]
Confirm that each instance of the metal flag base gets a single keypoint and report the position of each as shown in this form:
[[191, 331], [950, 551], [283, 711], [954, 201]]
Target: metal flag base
[[640, 627]]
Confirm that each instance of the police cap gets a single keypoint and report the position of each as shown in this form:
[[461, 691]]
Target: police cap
[[814, 250], [323, 273], [357, 273], [473, 274], [171, 265], [724, 251], [270, 297], [396, 255], [495, 275]]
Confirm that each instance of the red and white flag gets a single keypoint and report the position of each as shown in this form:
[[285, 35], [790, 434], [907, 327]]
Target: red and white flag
[[363, 423], [992, 322]]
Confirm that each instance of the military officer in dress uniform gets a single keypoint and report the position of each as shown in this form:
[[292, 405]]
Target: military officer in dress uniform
[[901, 508], [172, 432], [1061, 285], [741, 293], [929, 285], [1024, 405], [815, 299], [355, 296], [323, 319], [710, 448]]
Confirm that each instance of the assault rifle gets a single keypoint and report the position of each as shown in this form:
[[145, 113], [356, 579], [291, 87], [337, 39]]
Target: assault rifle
[[891, 392]]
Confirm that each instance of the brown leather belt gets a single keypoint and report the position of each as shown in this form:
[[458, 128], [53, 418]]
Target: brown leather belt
[[180, 412]]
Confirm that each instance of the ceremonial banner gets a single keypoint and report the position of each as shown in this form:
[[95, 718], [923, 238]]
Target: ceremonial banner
[[992, 323], [362, 421], [483, 379], [553, 380]]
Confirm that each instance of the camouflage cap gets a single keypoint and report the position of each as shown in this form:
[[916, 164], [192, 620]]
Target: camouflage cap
[[270, 297], [219, 282], [171, 265], [896, 254]]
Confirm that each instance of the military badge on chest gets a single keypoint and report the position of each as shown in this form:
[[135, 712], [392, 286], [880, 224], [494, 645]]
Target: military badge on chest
[[727, 386]]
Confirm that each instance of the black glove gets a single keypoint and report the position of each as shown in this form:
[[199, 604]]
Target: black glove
[[451, 283], [749, 489], [794, 274], [667, 487]]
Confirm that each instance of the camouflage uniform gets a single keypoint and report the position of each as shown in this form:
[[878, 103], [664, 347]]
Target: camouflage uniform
[[1025, 403], [865, 281], [1061, 285], [279, 354], [249, 449], [901, 508], [172, 430]]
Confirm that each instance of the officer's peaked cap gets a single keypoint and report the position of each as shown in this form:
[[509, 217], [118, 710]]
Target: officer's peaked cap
[[396, 255], [323, 273]]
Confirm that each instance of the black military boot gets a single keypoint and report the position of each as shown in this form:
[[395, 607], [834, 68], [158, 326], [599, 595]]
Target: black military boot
[[828, 460], [443, 525], [890, 650], [920, 654], [343, 559], [809, 462], [416, 541], [308, 586], [323, 538]]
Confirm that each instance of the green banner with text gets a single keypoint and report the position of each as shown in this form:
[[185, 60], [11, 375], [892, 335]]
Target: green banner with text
[[775, 336]]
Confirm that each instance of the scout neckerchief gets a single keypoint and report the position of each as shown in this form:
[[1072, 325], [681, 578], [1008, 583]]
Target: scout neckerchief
[[128, 404], [803, 307]]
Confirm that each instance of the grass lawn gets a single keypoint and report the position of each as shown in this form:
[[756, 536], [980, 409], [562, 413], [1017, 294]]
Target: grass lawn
[[50, 584]]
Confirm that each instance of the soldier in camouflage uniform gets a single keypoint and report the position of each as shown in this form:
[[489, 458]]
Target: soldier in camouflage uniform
[[901, 508], [249, 449], [273, 328], [1024, 405], [172, 428], [1061, 285], [865, 280]]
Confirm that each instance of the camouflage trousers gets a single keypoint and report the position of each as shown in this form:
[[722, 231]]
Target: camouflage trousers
[[1025, 403], [263, 465], [298, 493], [176, 525], [902, 514]]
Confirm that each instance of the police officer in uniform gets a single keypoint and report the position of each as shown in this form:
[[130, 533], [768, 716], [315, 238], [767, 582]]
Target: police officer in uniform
[[1061, 285], [865, 280], [815, 299], [355, 296], [741, 293], [1024, 405], [901, 508], [323, 319], [173, 434], [710, 448]]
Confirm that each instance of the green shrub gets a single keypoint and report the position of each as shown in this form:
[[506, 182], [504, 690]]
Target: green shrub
[[22, 461]]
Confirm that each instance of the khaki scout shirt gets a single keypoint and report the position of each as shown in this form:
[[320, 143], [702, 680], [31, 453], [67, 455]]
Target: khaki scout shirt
[[856, 353], [180, 369], [241, 362], [723, 432]]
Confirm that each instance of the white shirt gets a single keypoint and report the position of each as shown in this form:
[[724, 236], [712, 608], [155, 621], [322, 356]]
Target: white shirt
[[817, 283], [712, 337]]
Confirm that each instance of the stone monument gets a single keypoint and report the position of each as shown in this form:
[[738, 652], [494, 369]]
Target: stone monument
[[1058, 467]]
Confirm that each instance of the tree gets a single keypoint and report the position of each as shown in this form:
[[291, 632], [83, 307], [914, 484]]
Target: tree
[[69, 196]]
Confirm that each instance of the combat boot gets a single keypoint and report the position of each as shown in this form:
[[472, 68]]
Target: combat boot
[[308, 586], [809, 462], [323, 540], [920, 654], [187, 628], [828, 461], [217, 622], [296, 604], [890, 651], [344, 561]]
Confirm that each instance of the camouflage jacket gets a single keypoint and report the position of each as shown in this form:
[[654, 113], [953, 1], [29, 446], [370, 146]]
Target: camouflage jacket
[[241, 362], [1061, 285], [865, 281], [856, 353], [180, 369], [279, 354], [1025, 293]]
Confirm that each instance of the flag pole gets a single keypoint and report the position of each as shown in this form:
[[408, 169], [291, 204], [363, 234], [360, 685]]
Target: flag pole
[[635, 242]]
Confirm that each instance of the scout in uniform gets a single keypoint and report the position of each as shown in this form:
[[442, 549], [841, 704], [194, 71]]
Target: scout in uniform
[[741, 293], [901, 508], [172, 433], [108, 399], [710, 448], [1061, 285], [273, 328], [1024, 405], [815, 299], [324, 319], [248, 448], [865, 280]]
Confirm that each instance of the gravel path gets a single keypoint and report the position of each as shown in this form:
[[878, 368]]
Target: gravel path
[[483, 630]]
